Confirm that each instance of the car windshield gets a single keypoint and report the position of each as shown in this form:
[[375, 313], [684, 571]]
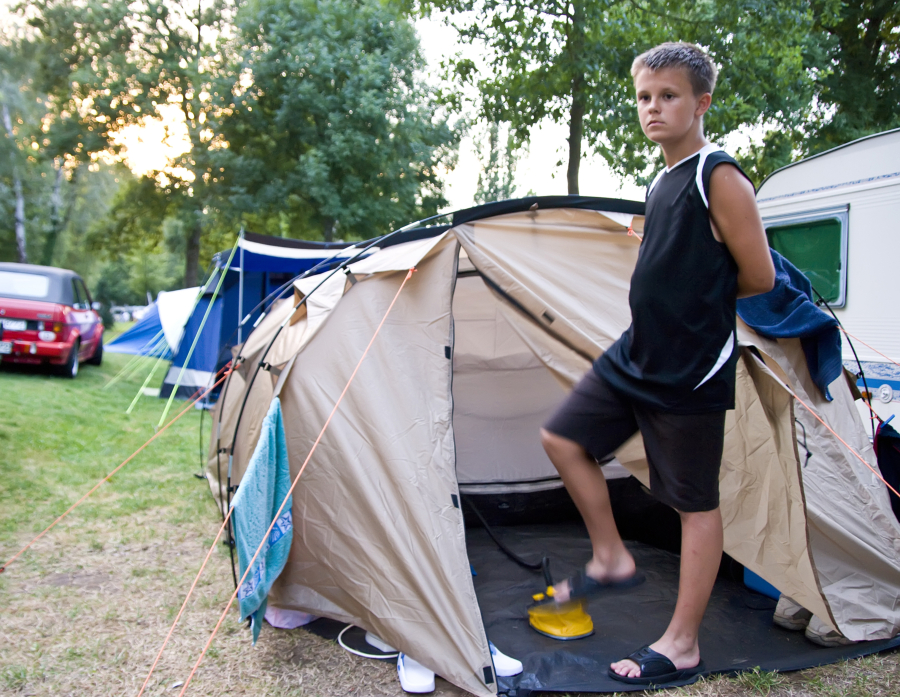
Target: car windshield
[[32, 286]]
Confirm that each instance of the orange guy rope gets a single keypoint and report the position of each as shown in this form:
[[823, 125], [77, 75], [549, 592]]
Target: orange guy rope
[[632, 233], [867, 346], [293, 485], [184, 604], [106, 478]]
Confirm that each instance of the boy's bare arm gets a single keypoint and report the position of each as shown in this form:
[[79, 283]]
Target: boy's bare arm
[[736, 222]]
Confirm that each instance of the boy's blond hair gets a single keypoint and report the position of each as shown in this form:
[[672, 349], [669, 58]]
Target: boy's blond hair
[[701, 70]]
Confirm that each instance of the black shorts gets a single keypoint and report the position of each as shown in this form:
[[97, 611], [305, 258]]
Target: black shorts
[[684, 451]]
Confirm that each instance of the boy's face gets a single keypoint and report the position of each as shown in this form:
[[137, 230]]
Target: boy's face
[[668, 109]]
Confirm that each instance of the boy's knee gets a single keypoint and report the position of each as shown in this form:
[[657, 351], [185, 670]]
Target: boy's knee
[[556, 446], [549, 440]]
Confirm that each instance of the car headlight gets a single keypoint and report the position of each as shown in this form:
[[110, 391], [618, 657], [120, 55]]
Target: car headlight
[[47, 336]]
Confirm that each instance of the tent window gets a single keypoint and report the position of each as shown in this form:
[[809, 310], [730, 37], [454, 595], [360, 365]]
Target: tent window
[[817, 245]]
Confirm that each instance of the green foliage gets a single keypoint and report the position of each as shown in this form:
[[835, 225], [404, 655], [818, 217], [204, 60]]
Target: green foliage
[[858, 70], [107, 64], [495, 181], [571, 61], [330, 131], [778, 149], [851, 56]]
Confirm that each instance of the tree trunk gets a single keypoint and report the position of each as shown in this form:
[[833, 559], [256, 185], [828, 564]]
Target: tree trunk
[[20, 220], [329, 227], [55, 220], [575, 48], [20, 198], [192, 254], [576, 129]]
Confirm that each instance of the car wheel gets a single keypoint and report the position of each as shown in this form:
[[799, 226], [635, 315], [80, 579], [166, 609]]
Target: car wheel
[[70, 368], [97, 358]]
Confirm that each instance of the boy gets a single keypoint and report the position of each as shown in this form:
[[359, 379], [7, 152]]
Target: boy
[[672, 373]]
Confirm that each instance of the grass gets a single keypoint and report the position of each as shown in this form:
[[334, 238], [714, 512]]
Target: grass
[[86, 609]]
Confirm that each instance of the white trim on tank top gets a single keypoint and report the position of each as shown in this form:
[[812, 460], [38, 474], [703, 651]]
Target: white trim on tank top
[[704, 152], [724, 355]]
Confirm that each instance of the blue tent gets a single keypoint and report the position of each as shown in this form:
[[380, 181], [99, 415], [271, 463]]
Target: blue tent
[[145, 338], [259, 268]]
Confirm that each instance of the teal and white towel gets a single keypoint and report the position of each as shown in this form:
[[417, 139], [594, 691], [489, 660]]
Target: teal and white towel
[[263, 487]]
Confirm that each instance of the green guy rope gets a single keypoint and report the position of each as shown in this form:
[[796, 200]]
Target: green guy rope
[[162, 346], [135, 359], [146, 382], [200, 330]]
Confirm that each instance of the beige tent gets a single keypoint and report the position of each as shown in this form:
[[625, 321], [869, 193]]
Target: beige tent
[[506, 310]]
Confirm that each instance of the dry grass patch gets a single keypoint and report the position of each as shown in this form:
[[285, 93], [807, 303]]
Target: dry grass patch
[[90, 606]]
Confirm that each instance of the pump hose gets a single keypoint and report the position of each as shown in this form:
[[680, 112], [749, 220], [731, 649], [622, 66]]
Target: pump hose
[[543, 565]]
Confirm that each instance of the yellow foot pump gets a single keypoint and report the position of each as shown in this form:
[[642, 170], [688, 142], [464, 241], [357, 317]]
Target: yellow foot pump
[[562, 621]]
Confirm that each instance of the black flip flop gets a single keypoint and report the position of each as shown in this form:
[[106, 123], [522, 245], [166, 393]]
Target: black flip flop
[[582, 586], [656, 670]]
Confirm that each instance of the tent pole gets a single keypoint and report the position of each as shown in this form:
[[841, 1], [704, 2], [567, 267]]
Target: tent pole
[[152, 345], [249, 385], [146, 382], [199, 331], [241, 287], [239, 359]]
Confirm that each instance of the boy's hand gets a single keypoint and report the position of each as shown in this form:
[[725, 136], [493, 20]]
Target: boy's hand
[[736, 222]]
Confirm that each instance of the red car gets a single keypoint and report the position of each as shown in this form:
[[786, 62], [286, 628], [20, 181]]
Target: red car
[[47, 318]]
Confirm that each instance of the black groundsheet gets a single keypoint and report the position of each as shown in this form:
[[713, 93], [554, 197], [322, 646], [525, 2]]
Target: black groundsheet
[[737, 631]]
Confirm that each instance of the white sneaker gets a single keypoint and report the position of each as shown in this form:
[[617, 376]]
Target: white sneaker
[[790, 614], [414, 677], [379, 643], [504, 666], [820, 633]]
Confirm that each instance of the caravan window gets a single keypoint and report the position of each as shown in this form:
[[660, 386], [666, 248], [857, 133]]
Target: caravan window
[[816, 243]]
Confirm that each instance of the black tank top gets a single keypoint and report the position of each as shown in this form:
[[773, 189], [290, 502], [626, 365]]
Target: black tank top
[[680, 352]]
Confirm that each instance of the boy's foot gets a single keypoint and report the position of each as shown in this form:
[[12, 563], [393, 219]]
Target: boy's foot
[[596, 577], [659, 653], [649, 667]]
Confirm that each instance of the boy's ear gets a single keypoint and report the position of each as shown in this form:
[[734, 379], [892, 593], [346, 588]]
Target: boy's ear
[[703, 103]]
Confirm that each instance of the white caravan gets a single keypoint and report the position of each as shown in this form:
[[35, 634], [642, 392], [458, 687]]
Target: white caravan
[[836, 216]]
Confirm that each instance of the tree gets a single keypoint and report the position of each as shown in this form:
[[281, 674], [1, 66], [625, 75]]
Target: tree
[[495, 181], [17, 119], [117, 63], [852, 55], [569, 61], [863, 86], [329, 130]]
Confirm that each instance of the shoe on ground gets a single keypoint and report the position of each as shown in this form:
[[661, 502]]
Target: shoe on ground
[[820, 633], [379, 643], [791, 615], [414, 677], [505, 666]]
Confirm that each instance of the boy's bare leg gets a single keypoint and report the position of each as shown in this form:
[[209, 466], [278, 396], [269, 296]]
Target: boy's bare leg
[[701, 553], [587, 487]]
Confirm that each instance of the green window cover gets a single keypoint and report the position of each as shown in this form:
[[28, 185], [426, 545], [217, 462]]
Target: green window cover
[[814, 247]]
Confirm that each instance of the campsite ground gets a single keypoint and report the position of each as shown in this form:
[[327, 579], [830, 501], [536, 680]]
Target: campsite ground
[[86, 609]]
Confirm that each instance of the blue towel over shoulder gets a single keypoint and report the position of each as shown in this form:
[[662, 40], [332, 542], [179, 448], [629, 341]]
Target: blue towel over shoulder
[[788, 311], [263, 487]]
